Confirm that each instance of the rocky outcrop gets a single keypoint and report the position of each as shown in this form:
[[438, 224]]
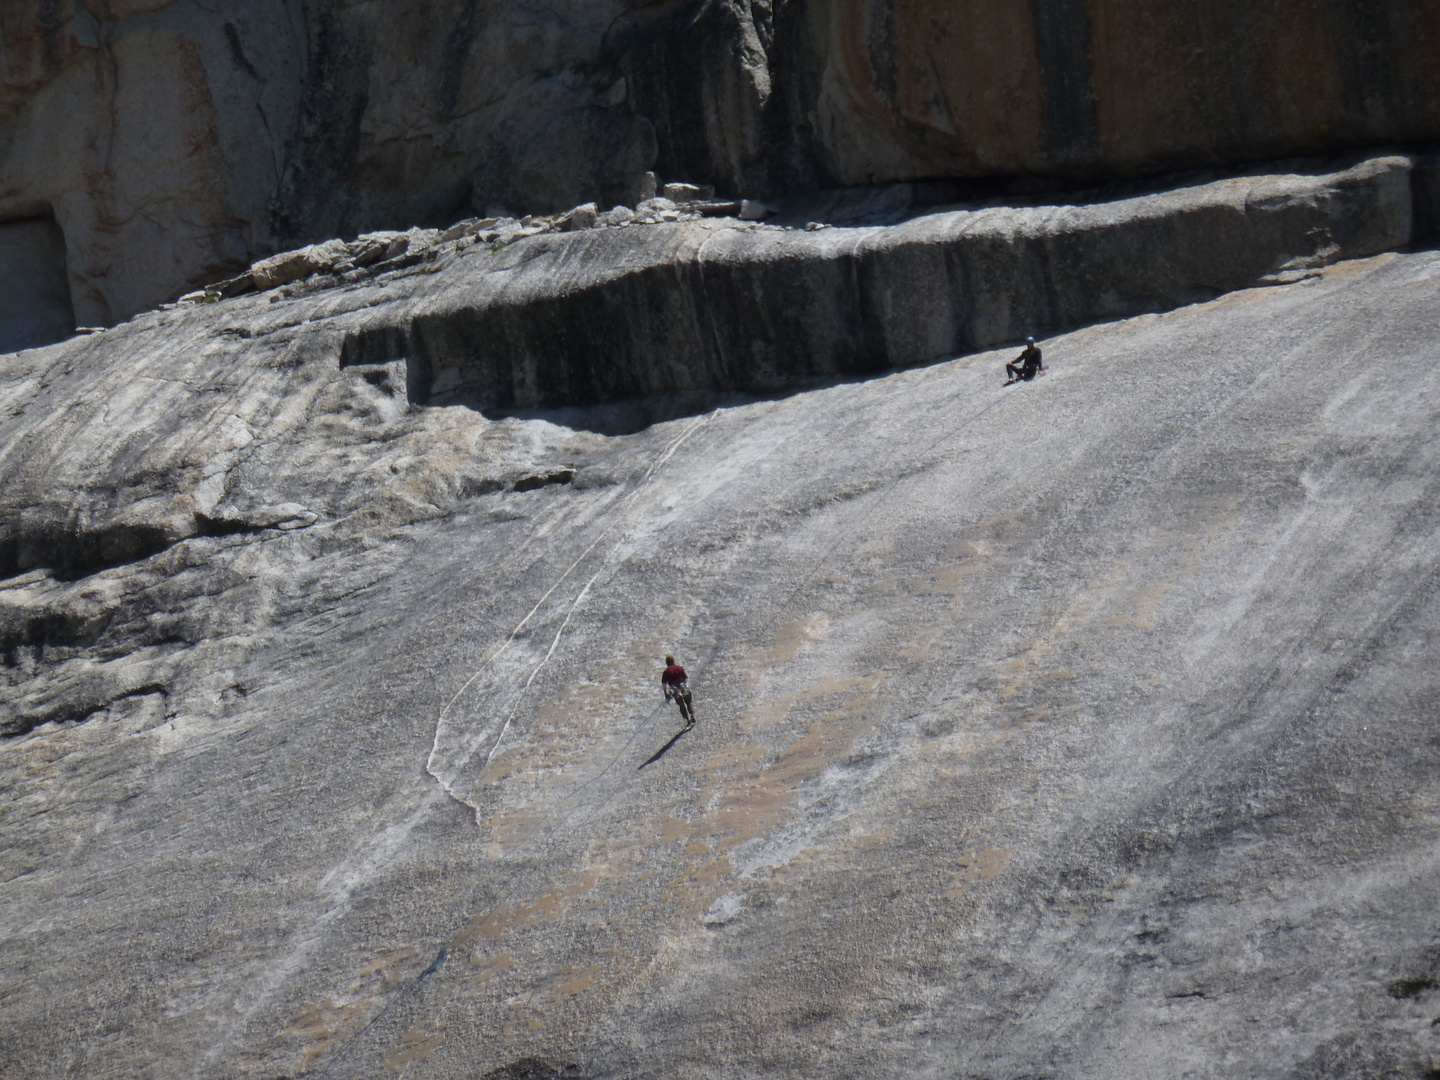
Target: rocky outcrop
[[718, 305], [173, 147]]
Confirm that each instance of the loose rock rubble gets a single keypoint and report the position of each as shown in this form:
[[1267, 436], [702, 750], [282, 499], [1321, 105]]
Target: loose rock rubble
[[378, 252]]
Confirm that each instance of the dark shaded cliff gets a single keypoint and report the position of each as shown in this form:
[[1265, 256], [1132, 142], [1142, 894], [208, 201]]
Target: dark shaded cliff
[[170, 144]]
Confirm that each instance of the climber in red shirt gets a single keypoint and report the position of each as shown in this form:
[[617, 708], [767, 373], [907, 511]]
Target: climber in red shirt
[[677, 688]]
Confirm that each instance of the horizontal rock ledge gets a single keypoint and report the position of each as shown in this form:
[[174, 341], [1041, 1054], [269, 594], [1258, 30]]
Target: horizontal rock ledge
[[606, 315]]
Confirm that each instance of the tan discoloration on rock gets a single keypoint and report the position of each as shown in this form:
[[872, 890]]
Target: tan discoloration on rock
[[788, 641], [416, 1045]]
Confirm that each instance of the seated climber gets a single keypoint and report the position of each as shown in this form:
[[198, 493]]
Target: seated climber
[[677, 688], [1025, 366]]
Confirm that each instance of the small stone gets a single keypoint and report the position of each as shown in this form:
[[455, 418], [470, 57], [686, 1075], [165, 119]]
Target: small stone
[[377, 247], [582, 217], [235, 286], [689, 192], [459, 229], [750, 210], [655, 206], [291, 266], [723, 910], [418, 240], [618, 215], [648, 186], [288, 515], [816, 226]]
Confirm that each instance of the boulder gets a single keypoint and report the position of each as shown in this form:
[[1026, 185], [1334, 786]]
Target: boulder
[[294, 265], [378, 246], [582, 217], [418, 240], [459, 229]]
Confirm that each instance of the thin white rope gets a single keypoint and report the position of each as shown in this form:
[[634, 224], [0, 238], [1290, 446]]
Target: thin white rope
[[664, 457]]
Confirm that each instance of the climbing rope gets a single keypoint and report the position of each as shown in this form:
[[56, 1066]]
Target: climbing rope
[[570, 800]]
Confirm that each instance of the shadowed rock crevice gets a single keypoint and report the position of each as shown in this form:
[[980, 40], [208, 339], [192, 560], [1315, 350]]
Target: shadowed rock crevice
[[49, 628], [71, 552], [77, 709], [316, 193], [535, 481], [533, 1068]]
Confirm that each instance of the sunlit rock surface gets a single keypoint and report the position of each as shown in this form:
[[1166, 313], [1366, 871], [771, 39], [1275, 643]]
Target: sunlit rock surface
[[1083, 727]]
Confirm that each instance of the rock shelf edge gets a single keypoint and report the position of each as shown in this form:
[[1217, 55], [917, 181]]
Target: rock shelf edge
[[606, 315]]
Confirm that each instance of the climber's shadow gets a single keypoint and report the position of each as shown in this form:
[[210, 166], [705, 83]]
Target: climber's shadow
[[664, 749]]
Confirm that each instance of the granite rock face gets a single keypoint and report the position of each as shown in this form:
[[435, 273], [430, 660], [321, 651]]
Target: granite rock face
[[1077, 728], [1083, 727], [173, 145], [1115, 87]]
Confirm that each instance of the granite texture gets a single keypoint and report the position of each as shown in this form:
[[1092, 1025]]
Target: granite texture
[[1081, 728]]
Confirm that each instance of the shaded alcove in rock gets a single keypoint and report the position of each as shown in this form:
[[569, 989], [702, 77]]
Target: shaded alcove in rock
[[376, 358], [35, 304]]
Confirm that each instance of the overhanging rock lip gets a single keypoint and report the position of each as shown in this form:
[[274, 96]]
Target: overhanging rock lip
[[580, 318]]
